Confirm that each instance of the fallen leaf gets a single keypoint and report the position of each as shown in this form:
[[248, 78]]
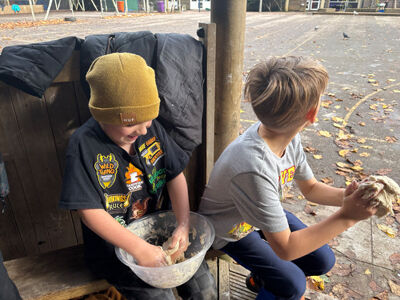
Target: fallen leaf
[[383, 171], [396, 91], [389, 231], [337, 106], [390, 139], [373, 106], [343, 165], [391, 80], [310, 149], [324, 133], [326, 103], [309, 210], [317, 156], [381, 296], [361, 140], [327, 180], [364, 154], [367, 272], [318, 282], [343, 152], [366, 147], [331, 94], [355, 150], [357, 168], [395, 288], [361, 123], [342, 269], [337, 119], [394, 258]]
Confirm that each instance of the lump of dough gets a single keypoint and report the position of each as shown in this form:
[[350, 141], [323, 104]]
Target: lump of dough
[[388, 189], [169, 253]]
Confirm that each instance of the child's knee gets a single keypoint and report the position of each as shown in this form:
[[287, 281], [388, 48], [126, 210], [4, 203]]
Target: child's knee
[[326, 261], [292, 285]]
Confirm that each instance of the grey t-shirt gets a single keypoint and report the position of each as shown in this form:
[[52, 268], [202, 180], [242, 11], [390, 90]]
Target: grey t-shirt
[[246, 187]]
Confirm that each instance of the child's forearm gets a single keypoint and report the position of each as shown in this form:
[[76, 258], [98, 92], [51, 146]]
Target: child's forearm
[[178, 193], [324, 194], [302, 242], [105, 226]]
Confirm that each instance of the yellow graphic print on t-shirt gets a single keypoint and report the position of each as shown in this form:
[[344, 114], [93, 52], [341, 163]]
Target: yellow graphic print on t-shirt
[[240, 230]]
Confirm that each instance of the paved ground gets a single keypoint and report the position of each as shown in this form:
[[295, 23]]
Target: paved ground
[[360, 114]]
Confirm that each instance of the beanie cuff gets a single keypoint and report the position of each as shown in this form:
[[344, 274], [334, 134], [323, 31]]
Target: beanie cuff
[[130, 115]]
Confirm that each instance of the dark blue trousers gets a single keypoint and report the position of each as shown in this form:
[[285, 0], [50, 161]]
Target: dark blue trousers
[[8, 290], [284, 279]]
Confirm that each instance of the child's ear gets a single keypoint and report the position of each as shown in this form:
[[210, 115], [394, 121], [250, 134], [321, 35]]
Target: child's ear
[[311, 116]]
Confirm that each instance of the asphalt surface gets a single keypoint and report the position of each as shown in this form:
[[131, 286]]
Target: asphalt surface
[[360, 114]]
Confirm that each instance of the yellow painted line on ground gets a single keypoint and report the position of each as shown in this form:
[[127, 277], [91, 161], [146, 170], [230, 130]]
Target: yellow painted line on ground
[[348, 115], [352, 136], [248, 121]]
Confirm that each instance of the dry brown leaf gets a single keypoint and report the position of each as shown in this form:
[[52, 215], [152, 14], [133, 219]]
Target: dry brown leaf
[[366, 147], [327, 180], [390, 139], [395, 288], [361, 123], [342, 269], [394, 258], [364, 154], [383, 171], [337, 119], [381, 296], [309, 210], [310, 149]]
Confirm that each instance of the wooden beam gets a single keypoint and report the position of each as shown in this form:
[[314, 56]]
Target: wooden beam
[[229, 16]]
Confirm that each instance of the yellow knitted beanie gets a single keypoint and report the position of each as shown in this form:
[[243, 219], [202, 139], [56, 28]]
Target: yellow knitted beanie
[[123, 90]]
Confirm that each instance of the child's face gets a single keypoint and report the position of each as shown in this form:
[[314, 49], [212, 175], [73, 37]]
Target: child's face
[[125, 135]]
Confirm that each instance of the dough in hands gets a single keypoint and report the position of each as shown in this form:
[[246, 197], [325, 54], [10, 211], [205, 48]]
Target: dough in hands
[[388, 192]]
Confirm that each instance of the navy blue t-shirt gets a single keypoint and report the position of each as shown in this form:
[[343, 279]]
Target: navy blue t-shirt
[[101, 175]]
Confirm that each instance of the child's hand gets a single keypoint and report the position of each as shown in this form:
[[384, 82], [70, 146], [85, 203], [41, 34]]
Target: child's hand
[[154, 257], [355, 205], [181, 236]]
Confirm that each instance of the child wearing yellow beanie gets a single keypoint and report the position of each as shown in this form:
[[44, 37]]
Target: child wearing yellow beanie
[[117, 166]]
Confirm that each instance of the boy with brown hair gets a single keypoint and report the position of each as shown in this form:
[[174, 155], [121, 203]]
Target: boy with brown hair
[[117, 165], [246, 187]]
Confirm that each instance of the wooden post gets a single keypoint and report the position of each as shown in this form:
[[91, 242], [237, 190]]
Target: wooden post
[[207, 34], [229, 16]]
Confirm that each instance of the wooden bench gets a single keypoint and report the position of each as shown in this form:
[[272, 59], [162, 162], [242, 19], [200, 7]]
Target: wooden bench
[[41, 244]]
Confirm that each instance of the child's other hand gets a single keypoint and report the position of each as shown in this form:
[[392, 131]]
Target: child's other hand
[[355, 206], [181, 236], [154, 257]]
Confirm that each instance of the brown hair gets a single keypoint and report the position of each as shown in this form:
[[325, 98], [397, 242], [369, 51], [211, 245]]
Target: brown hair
[[282, 90]]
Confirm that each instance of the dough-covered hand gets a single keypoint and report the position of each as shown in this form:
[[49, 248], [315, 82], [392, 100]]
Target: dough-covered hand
[[356, 206], [154, 257], [181, 236]]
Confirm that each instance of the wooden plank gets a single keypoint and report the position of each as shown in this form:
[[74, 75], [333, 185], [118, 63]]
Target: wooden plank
[[213, 266], [56, 229], [22, 189], [56, 275], [223, 280], [63, 116], [209, 42], [71, 70]]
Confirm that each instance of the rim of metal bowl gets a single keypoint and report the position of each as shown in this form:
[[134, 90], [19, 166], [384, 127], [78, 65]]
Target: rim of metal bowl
[[119, 255]]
